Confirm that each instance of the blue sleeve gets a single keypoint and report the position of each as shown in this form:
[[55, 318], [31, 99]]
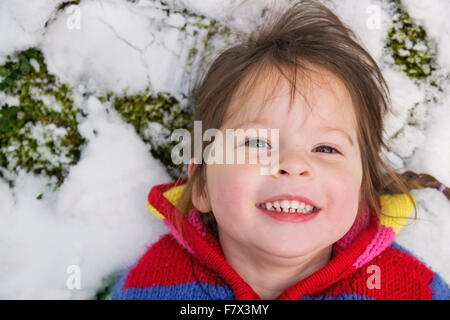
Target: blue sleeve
[[440, 290]]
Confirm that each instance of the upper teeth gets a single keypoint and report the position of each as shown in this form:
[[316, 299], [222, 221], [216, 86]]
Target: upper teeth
[[288, 206]]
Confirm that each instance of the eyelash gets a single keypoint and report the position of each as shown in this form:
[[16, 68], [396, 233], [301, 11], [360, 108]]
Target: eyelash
[[248, 140], [323, 146]]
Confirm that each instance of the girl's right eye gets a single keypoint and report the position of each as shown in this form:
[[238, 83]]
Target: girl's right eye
[[248, 142], [328, 148]]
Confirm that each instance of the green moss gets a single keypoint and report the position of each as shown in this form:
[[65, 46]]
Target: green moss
[[154, 116], [38, 121], [108, 284], [411, 49], [202, 29], [192, 53]]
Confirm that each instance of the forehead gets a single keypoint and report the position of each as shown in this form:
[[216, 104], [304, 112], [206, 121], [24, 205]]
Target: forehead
[[265, 96]]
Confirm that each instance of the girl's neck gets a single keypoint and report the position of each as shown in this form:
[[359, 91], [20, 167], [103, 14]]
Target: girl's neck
[[268, 275]]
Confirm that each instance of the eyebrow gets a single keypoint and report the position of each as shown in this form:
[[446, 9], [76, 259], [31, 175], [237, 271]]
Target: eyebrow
[[262, 122], [244, 124], [328, 128]]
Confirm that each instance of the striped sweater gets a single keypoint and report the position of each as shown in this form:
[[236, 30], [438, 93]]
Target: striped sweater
[[366, 262]]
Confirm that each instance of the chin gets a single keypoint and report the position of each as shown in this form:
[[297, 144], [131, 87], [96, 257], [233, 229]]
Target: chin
[[291, 250]]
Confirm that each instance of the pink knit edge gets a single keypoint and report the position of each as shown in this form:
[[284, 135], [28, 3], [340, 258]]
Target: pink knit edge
[[194, 219], [177, 236], [382, 239]]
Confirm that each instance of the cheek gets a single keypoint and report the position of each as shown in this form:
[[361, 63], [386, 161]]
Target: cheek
[[230, 198], [229, 189], [343, 200]]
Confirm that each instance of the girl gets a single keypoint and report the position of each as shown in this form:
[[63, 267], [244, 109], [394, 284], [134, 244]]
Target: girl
[[322, 225]]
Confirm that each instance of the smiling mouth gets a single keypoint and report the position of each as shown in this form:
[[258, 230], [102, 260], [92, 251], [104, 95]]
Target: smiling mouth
[[288, 210], [290, 217], [286, 206]]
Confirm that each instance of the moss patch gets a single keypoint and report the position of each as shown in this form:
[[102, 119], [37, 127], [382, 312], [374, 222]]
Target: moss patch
[[108, 286], [154, 116], [411, 49], [202, 29], [38, 121]]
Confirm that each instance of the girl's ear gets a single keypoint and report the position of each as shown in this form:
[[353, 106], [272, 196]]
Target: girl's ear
[[200, 202]]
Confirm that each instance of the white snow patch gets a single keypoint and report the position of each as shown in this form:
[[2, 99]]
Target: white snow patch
[[97, 221]]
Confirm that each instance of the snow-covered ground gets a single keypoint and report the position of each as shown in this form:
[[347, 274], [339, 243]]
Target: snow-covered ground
[[97, 220]]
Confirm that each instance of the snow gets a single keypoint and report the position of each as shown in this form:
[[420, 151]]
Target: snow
[[118, 46], [24, 21], [404, 96], [105, 52], [97, 219], [368, 19], [241, 16]]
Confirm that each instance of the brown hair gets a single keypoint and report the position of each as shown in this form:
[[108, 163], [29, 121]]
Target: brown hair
[[306, 33]]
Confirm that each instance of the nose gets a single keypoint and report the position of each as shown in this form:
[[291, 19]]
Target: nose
[[294, 164]]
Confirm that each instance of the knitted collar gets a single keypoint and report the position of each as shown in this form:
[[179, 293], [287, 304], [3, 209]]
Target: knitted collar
[[366, 239]]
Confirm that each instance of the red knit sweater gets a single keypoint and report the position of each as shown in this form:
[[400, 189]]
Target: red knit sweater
[[366, 263]]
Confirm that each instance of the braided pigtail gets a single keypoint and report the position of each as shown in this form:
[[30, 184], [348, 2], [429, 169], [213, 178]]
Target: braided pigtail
[[415, 181]]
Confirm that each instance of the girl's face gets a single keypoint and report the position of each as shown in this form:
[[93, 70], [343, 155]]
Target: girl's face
[[319, 158]]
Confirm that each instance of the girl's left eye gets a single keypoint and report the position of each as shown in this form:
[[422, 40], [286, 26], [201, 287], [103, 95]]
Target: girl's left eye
[[248, 142], [328, 148]]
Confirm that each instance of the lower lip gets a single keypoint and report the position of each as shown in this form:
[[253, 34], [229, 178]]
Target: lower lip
[[289, 217]]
